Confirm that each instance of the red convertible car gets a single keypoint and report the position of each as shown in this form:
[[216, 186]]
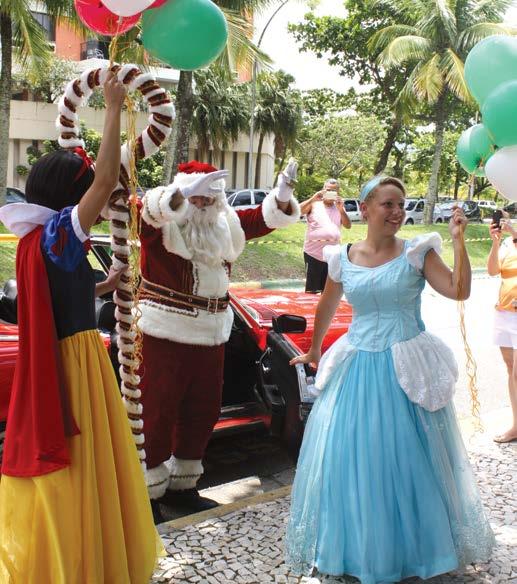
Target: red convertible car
[[260, 389]]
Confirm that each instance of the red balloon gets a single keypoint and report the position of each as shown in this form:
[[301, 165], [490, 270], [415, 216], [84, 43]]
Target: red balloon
[[98, 18], [157, 4]]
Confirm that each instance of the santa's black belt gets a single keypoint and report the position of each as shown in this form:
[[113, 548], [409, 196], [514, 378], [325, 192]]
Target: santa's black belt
[[169, 297]]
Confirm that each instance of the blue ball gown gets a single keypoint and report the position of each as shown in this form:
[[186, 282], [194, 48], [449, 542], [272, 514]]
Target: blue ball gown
[[384, 489]]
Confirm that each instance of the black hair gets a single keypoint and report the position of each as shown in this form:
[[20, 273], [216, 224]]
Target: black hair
[[54, 183]]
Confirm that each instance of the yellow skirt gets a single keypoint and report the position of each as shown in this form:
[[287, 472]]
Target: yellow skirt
[[90, 523]]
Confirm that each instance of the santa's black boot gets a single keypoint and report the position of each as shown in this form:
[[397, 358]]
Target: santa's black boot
[[157, 512], [188, 499]]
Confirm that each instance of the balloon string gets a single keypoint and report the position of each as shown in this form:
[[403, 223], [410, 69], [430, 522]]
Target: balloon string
[[470, 365], [114, 43], [134, 229]]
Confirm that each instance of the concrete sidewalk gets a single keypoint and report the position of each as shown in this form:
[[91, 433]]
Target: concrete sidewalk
[[243, 541]]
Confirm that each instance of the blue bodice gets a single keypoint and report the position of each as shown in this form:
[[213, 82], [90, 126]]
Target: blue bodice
[[385, 301]]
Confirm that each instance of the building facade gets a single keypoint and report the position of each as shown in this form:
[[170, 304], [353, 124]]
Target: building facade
[[32, 122]]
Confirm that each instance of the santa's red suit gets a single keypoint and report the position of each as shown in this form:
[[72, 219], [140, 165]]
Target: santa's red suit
[[186, 320]]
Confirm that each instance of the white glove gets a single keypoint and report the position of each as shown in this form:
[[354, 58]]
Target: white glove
[[286, 181], [201, 186]]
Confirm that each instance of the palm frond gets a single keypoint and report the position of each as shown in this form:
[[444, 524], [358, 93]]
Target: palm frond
[[382, 38], [477, 32], [428, 83], [491, 10], [405, 49], [30, 44], [453, 68], [240, 52]]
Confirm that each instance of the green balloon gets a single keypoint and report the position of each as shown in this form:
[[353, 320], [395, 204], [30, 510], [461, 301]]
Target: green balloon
[[500, 114], [186, 34], [490, 63], [474, 148]]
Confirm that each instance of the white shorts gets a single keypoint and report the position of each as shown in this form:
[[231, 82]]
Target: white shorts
[[505, 329]]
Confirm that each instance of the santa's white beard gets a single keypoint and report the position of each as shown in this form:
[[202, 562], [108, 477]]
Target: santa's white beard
[[207, 234]]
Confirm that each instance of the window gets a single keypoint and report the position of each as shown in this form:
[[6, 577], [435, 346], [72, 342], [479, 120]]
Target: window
[[259, 197], [350, 206], [243, 198], [410, 205], [420, 206], [47, 23]]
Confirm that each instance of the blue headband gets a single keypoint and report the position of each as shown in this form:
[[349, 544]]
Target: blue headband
[[369, 186]]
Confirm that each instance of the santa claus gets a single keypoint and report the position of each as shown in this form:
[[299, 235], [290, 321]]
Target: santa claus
[[190, 237]]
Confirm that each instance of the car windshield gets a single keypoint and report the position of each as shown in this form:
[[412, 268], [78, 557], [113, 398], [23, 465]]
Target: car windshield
[[410, 205]]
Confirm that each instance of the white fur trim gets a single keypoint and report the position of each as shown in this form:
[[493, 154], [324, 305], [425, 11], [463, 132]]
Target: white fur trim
[[165, 129], [60, 128], [173, 242], [78, 230], [124, 70], [274, 217], [84, 84], [149, 146], [154, 92], [184, 474], [65, 111], [199, 328], [157, 480]]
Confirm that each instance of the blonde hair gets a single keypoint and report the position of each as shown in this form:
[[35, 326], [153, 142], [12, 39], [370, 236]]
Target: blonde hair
[[385, 180]]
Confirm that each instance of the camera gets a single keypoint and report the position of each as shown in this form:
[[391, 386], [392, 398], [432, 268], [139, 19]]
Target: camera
[[496, 218]]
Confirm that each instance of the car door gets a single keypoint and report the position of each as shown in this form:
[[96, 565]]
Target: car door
[[258, 197], [419, 212], [352, 210]]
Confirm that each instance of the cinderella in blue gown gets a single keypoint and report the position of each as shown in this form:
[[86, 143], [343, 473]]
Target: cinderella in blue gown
[[384, 489]]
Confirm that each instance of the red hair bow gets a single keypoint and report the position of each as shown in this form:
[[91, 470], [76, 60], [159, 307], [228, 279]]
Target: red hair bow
[[87, 162]]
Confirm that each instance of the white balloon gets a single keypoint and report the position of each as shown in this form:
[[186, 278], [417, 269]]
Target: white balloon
[[127, 7], [500, 170]]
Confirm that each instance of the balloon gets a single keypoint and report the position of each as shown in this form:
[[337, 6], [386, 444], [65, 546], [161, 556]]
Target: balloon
[[500, 171], [474, 148], [158, 3], [490, 63], [500, 114], [127, 7], [186, 34], [99, 19]]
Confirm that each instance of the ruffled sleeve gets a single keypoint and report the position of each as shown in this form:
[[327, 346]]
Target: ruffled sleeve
[[332, 255], [63, 240], [420, 245]]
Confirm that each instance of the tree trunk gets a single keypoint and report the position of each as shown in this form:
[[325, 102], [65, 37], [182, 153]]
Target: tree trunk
[[388, 144], [257, 162], [432, 192], [177, 150], [6, 40]]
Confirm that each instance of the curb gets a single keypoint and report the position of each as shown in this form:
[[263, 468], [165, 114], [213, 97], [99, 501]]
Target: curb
[[193, 519]]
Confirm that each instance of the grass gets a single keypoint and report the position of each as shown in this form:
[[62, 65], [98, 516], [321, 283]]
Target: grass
[[279, 255]]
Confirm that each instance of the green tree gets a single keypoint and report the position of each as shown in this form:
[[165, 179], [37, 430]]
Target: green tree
[[341, 147], [48, 80], [23, 38], [220, 110], [277, 111], [433, 37], [344, 41]]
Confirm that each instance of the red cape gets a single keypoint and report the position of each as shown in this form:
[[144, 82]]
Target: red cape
[[39, 417]]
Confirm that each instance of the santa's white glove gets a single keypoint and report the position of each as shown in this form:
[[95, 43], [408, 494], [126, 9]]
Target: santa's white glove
[[201, 186], [286, 181]]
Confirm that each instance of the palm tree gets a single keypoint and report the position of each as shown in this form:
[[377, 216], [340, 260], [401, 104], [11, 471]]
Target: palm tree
[[434, 37], [277, 111], [23, 37], [219, 110], [240, 52]]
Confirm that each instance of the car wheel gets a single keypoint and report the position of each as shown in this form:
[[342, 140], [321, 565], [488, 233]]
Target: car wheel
[[439, 220], [409, 222]]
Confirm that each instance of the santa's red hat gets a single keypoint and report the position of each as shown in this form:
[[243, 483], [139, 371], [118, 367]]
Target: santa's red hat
[[189, 171]]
